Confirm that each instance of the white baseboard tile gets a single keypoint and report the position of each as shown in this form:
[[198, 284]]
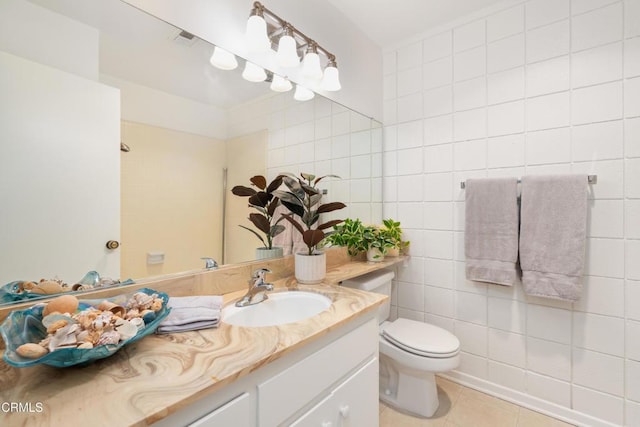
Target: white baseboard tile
[[522, 399]]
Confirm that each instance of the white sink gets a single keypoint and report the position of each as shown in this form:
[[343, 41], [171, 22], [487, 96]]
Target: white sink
[[280, 308]]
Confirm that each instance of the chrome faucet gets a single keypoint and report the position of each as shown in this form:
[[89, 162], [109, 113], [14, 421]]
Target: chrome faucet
[[210, 263], [257, 289]]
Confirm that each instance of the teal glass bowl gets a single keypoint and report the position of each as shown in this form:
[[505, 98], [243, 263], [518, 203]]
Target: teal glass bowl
[[25, 326]]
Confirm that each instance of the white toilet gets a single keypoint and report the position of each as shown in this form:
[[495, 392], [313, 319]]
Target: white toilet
[[411, 352]]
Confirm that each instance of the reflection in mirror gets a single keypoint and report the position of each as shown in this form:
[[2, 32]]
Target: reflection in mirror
[[83, 78]]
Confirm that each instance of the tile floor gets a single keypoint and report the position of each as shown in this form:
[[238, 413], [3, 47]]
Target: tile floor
[[464, 407]]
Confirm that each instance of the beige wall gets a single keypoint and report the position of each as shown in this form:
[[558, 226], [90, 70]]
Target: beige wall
[[171, 199], [246, 158]]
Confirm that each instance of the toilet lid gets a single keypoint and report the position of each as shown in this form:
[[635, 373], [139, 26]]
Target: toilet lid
[[421, 338]]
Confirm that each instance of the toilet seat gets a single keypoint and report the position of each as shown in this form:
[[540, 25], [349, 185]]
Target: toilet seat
[[421, 339]]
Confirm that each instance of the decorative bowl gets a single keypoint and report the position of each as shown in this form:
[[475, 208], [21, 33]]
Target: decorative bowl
[[25, 326], [11, 292]]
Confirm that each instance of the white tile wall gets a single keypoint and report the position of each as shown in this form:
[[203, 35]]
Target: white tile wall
[[542, 86], [549, 358], [505, 23]]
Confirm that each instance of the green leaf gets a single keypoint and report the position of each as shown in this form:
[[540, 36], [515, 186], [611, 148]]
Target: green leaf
[[242, 191], [315, 199], [307, 176], [259, 181]]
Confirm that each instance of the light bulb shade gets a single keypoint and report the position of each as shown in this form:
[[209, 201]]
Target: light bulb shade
[[330, 80], [311, 66], [303, 94], [223, 59], [280, 84], [253, 73], [287, 55], [256, 34]]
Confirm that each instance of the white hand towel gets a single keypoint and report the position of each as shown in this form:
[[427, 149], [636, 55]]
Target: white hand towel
[[191, 313], [553, 235], [491, 230]]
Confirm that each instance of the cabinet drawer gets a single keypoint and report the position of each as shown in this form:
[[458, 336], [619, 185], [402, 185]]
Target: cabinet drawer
[[286, 393], [238, 412], [354, 403]]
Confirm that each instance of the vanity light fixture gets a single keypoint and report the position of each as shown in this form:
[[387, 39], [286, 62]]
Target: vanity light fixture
[[287, 54], [223, 59], [280, 84], [266, 30], [253, 72], [303, 94]]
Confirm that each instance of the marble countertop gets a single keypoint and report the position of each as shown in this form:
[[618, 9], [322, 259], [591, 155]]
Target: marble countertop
[[161, 374]]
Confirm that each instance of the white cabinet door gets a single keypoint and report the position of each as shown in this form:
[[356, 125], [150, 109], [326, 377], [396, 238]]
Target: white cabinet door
[[59, 173], [354, 403], [238, 412], [356, 399]]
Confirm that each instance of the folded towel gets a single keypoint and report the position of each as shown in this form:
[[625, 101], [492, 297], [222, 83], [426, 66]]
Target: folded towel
[[205, 301], [553, 235], [191, 313], [491, 230]]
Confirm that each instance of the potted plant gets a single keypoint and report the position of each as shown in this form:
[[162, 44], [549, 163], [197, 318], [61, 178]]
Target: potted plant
[[358, 238], [303, 201], [393, 229], [265, 203], [350, 235], [376, 241]]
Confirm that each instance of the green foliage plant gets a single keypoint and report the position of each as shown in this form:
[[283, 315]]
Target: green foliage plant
[[349, 234], [303, 201], [265, 203], [394, 231]]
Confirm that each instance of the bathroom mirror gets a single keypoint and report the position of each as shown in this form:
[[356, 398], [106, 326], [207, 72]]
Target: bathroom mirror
[[192, 132]]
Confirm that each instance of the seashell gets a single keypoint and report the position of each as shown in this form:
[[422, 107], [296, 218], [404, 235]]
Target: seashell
[[31, 351], [116, 309], [107, 281], [126, 329], [140, 300], [138, 322], [62, 304], [64, 337], [58, 324], [132, 313], [45, 341], [102, 320], [81, 287], [157, 304], [86, 345], [52, 318], [83, 335], [110, 337], [148, 316], [27, 286], [48, 287]]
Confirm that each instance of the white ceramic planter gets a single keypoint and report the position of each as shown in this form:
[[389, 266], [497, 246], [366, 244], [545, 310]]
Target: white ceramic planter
[[374, 255], [310, 268], [264, 253]]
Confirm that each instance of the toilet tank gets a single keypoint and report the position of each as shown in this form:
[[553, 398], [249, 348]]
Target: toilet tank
[[378, 282]]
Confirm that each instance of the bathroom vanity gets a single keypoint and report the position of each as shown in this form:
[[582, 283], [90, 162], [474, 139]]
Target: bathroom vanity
[[316, 371]]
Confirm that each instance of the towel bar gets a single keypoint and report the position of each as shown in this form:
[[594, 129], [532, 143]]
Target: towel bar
[[592, 179]]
